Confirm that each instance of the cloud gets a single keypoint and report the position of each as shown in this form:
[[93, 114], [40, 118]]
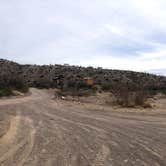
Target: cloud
[[132, 63], [115, 30], [160, 54], [119, 34]]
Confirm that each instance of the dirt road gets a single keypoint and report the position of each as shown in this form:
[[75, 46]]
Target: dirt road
[[47, 132]]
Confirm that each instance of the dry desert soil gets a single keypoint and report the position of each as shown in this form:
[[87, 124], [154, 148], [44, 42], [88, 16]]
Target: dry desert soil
[[37, 130]]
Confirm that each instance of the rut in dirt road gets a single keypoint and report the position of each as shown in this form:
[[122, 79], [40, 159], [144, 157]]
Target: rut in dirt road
[[47, 132]]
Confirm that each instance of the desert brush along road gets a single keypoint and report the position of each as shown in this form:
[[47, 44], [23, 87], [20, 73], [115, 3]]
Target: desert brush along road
[[39, 131]]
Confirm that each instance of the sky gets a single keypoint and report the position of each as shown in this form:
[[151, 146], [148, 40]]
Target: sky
[[115, 34]]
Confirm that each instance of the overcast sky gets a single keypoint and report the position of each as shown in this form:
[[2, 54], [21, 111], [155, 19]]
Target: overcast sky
[[118, 34]]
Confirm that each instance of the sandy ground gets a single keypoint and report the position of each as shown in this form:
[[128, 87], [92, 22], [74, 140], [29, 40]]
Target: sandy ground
[[45, 132]]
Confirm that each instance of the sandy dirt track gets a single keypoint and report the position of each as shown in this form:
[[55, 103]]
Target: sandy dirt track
[[47, 132]]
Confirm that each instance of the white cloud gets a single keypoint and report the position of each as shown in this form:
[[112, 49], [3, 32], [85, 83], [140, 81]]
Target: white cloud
[[153, 55], [136, 64], [128, 34], [114, 29]]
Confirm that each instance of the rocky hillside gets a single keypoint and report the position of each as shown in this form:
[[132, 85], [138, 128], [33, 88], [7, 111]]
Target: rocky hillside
[[65, 76]]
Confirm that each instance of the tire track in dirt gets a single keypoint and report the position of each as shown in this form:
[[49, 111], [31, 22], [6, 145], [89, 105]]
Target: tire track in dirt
[[52, 133], [101, 156], [29, 141], [10, 144], [12, 131]]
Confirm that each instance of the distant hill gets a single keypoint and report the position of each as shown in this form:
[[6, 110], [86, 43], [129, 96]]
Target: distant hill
[[67, 76]]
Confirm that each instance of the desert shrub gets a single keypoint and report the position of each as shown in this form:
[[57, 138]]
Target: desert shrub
[[106, 87], [76, 89], [60, 93], [79, 84], [24, 89], [7, 84], [129, 95], [152, 92], [155, 90], [18, 84], [75, 93], [163, 90], [85, 93], [96, 88], [140, 97], [5, 92], [42, 83]]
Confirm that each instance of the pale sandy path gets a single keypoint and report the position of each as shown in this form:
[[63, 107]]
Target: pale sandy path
[[46, 132]]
